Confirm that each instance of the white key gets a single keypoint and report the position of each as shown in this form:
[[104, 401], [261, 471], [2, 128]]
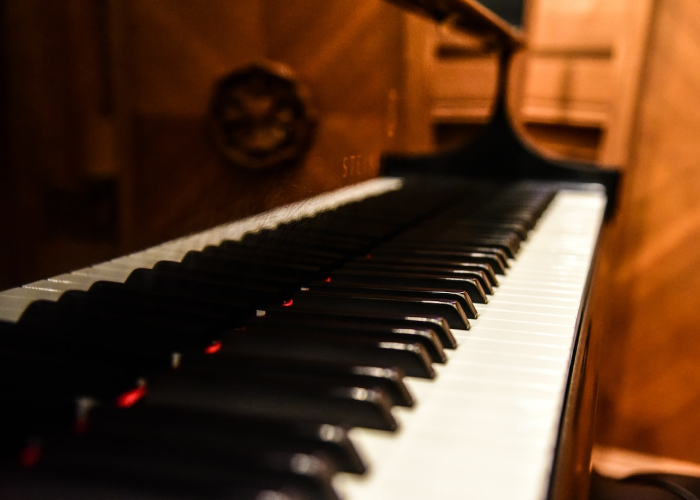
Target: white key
[[14, 302], [487, 427]]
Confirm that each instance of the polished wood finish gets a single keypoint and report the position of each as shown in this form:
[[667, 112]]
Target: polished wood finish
[[344, 52], [107, 101], [57, 136], [646, 301], [583, 68]]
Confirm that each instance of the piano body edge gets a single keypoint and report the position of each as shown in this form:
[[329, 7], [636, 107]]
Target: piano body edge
[[572, 467]]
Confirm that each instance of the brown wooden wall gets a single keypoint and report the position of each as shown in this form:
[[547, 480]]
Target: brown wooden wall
[[344, 51], [647, 300], [105, 101]]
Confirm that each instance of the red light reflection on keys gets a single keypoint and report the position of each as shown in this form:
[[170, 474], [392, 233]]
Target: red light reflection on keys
[[288, 303], [214, 347], [30, 455], [130, 398]]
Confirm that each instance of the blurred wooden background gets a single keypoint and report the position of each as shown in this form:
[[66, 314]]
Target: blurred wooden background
[[104, 150], [647, 295]]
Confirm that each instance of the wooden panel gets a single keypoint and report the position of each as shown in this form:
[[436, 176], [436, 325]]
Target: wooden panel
[[648, 293], [345, 52], [574, 25], [567, 89], [629, 56], [463, 88], [58, 132], [110, 97], [569, 66], [418, 55], [7, 247]]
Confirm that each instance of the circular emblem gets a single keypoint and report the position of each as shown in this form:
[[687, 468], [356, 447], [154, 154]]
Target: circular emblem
[[260, 117]]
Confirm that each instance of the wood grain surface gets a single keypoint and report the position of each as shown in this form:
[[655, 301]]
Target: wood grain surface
[[648, 288], [346, 53], [110, 98]]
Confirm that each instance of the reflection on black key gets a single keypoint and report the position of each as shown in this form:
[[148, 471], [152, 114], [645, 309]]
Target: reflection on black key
[[251, 397], [429, 268], [410, 261], [295, 316], [445, 246], [192, 427], [411, 280], [312, 372], [359, 303], [476, 257], [112, 330], [421, 293], [380, 333], [302, 344], [199, 264], [143, 463], [204, 286]]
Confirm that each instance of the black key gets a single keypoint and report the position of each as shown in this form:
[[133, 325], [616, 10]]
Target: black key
[[239, 275], [421, 293], [411, 280], [26, 418], [231, 312], [360, 303], [202, 427], [112, 330], [217, 268], [188, 284], [284, 249], [447, 247], [142, 462], [75, 347], [502, 226], [275, 263], [510, 245], [126, 302], [477, 257], [250, 397], [316, 241], [75, 485], [137, 311], [296, 316], [413, 262], [22, 372], [379, 333], [437, 268], [282, 370], [301, 344]]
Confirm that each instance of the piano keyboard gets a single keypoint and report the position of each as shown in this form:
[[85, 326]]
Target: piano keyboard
[[485, 427]]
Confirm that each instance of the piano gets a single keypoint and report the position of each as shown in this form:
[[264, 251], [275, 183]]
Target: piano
[[419, 335]]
